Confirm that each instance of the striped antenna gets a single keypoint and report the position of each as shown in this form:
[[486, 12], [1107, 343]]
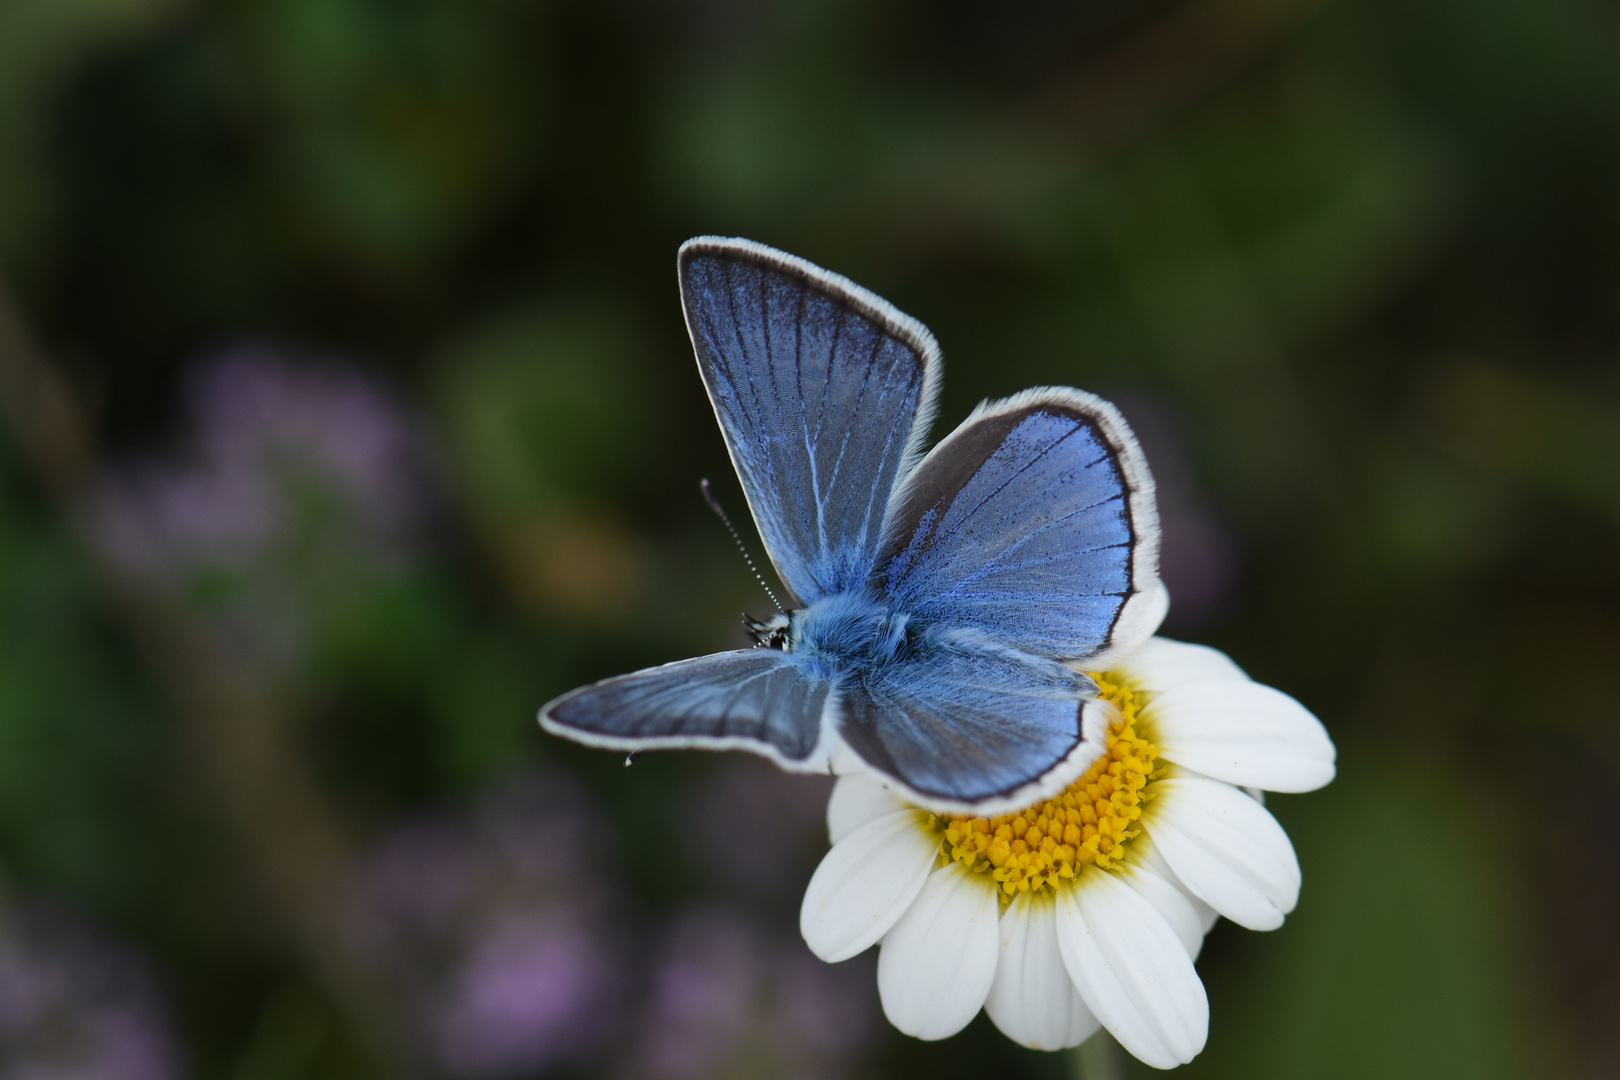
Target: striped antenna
[[714, 504]]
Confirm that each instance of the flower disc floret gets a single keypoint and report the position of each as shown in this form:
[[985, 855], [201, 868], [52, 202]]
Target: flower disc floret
[[1089, 823]]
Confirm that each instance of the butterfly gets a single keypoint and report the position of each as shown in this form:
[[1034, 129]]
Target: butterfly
[[942, 608]]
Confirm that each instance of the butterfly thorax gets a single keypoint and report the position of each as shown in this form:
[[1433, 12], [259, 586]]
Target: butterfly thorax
[[850, 630]]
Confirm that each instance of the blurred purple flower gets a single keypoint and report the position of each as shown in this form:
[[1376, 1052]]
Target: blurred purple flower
[[757, 829], [733, 995], [294, 482], [530, 991], [252, 406], [729, 999], [701, 998], [503, 930], [73, 1007], [263, 426]]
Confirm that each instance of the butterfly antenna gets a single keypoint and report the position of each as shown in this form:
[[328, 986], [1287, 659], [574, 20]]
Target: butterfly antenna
[[714, 504]]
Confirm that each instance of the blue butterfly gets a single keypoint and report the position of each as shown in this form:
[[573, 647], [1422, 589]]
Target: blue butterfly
[[943, 606]]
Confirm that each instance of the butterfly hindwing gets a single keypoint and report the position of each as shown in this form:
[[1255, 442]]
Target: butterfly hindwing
[[824, 392], [963, 728], [762, 700], [1032, 523]]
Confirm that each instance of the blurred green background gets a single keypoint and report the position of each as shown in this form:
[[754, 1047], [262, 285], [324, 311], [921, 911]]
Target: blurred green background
[[368, 424]]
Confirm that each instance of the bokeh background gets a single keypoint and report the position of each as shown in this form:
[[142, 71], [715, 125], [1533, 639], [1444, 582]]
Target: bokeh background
[[349, 416]]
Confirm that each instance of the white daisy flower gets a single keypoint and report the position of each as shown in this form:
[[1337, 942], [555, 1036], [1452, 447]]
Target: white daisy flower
[[1087, 909]]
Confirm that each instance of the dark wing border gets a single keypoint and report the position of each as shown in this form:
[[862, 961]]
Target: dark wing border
[[691, 671], [1142, 611], [862, 707]]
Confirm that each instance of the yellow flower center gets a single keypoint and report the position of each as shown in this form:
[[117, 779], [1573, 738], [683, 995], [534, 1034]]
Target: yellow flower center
[[1088, 823]]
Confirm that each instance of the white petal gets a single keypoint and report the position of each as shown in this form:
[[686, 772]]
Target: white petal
[[856, 799], [865, 883], [1132, 970], [1033, 1001], [1162, 664], [1176, 907], [937, 964], [1242, 733], [1144, 854], [1133, 627], [1226, 848]]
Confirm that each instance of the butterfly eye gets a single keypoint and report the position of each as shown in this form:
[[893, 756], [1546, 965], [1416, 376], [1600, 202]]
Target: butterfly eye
[[773, 633]]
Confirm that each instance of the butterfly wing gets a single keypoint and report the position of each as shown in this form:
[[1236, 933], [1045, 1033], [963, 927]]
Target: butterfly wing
[[824, 393], [964, 729], [762, 700], [1034, 524]]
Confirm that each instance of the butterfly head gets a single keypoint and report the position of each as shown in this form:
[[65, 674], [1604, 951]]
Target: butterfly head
[[773, 633]]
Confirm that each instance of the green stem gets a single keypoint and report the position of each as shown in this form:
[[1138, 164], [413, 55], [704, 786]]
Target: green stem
[[1098, 1058]]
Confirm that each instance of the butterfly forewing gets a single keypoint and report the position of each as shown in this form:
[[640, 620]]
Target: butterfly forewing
[[1032, 523], [756, 699], [821, 389]]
